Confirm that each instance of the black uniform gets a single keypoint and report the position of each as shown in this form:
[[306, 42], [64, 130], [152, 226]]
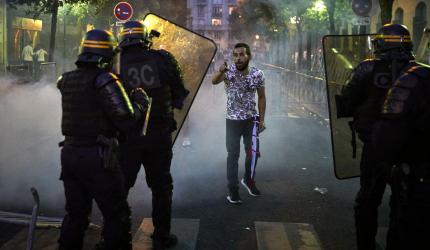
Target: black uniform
[[158, 73], [402, 138], [94, 107], [362, 98]]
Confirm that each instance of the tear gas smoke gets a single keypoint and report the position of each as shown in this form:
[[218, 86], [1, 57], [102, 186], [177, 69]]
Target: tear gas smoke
[[29, 125]]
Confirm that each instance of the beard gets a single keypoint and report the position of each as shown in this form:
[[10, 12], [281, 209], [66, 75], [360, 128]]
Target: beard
[[242, 66]]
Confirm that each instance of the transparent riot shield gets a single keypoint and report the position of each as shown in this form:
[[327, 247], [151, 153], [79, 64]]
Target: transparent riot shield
[[341, 55], [193, 52]]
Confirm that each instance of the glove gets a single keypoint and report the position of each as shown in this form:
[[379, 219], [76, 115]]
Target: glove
[[139, 96]]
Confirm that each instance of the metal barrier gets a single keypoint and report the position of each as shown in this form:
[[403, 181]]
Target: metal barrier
[[24, 73], [285, 86]]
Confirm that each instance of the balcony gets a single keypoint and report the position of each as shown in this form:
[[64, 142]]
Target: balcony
[[211, 27], [201, 2]]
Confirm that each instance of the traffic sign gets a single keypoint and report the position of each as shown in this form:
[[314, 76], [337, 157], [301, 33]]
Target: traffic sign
[[123, 11], [361, 7], [361, 21]]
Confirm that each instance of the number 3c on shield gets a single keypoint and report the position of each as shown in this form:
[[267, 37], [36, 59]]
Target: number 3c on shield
[[144, 76]]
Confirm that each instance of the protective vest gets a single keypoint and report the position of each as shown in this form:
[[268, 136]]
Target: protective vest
[[381, 80], [142, 68], [82, 114]]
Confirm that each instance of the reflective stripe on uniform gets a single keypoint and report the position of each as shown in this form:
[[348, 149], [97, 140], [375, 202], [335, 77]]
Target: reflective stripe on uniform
[[124, 94]]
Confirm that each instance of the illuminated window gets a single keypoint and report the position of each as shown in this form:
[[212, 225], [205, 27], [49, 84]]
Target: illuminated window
[[231, 9], [216, 22]]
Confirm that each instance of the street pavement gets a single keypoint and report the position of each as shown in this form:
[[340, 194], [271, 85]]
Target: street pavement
[[290, 214]]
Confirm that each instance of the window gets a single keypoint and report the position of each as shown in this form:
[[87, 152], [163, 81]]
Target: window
[[398, 16], [217, 11], [217, 35], [231, 9], [419, 23], [200, 11], [217, 1], [216, 22]]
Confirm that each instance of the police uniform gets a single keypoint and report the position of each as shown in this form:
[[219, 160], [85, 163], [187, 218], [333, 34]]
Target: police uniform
[[94, 107], [401, 138], [158, 73], [362, 98]]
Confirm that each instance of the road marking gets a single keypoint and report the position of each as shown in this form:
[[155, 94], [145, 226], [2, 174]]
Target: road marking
[[286, 236], [186, 230], [46, 239], [293, 115]]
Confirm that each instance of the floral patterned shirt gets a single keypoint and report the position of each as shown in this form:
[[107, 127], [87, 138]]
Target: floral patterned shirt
[[240, 91]]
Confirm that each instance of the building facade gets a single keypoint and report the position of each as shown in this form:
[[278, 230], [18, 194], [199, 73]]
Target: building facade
[[211, 18], [412, 13], [3, 36]]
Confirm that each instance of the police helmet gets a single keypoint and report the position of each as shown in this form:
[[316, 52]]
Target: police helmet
[[133, 33], [97, 45], [392, 37]]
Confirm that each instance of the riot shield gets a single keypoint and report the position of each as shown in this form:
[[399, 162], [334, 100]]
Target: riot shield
[[193, 52], [341, 55]]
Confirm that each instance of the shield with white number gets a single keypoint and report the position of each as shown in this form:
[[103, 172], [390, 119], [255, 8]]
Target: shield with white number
[[193, 52], [341, 55]]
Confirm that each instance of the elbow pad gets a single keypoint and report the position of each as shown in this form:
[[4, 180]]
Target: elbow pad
[[113, 97]]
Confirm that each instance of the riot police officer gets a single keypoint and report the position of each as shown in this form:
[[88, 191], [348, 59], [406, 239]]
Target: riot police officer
[[158, 73], [362, 98], [401, 138], [95, 106]]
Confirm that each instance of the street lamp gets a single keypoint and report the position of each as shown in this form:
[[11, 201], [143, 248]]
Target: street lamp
[[257, 37]]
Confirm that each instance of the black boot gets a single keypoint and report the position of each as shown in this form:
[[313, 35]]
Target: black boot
[[164, 241]]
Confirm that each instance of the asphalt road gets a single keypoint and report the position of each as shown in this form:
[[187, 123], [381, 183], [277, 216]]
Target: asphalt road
[[295, 159]]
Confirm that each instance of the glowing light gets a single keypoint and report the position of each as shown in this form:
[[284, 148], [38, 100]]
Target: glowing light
[[275, 30], [295, 19], [257, 37], [319, 6]]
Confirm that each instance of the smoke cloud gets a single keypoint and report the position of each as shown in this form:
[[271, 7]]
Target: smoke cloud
[[29, 125]]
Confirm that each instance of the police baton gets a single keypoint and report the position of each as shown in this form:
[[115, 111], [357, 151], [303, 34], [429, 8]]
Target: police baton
[[148, 112]]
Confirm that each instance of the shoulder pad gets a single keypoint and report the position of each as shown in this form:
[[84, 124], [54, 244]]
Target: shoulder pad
[[421, 70], [165, 53], [105, 78], [366, 66], [59, 80]]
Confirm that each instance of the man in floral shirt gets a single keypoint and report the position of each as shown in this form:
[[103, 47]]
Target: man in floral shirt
[[241, 83]]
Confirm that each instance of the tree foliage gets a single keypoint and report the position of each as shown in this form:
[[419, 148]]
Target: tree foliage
[[266, 17]]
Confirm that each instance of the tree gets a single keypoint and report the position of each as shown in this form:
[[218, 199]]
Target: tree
[[386, 10]]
